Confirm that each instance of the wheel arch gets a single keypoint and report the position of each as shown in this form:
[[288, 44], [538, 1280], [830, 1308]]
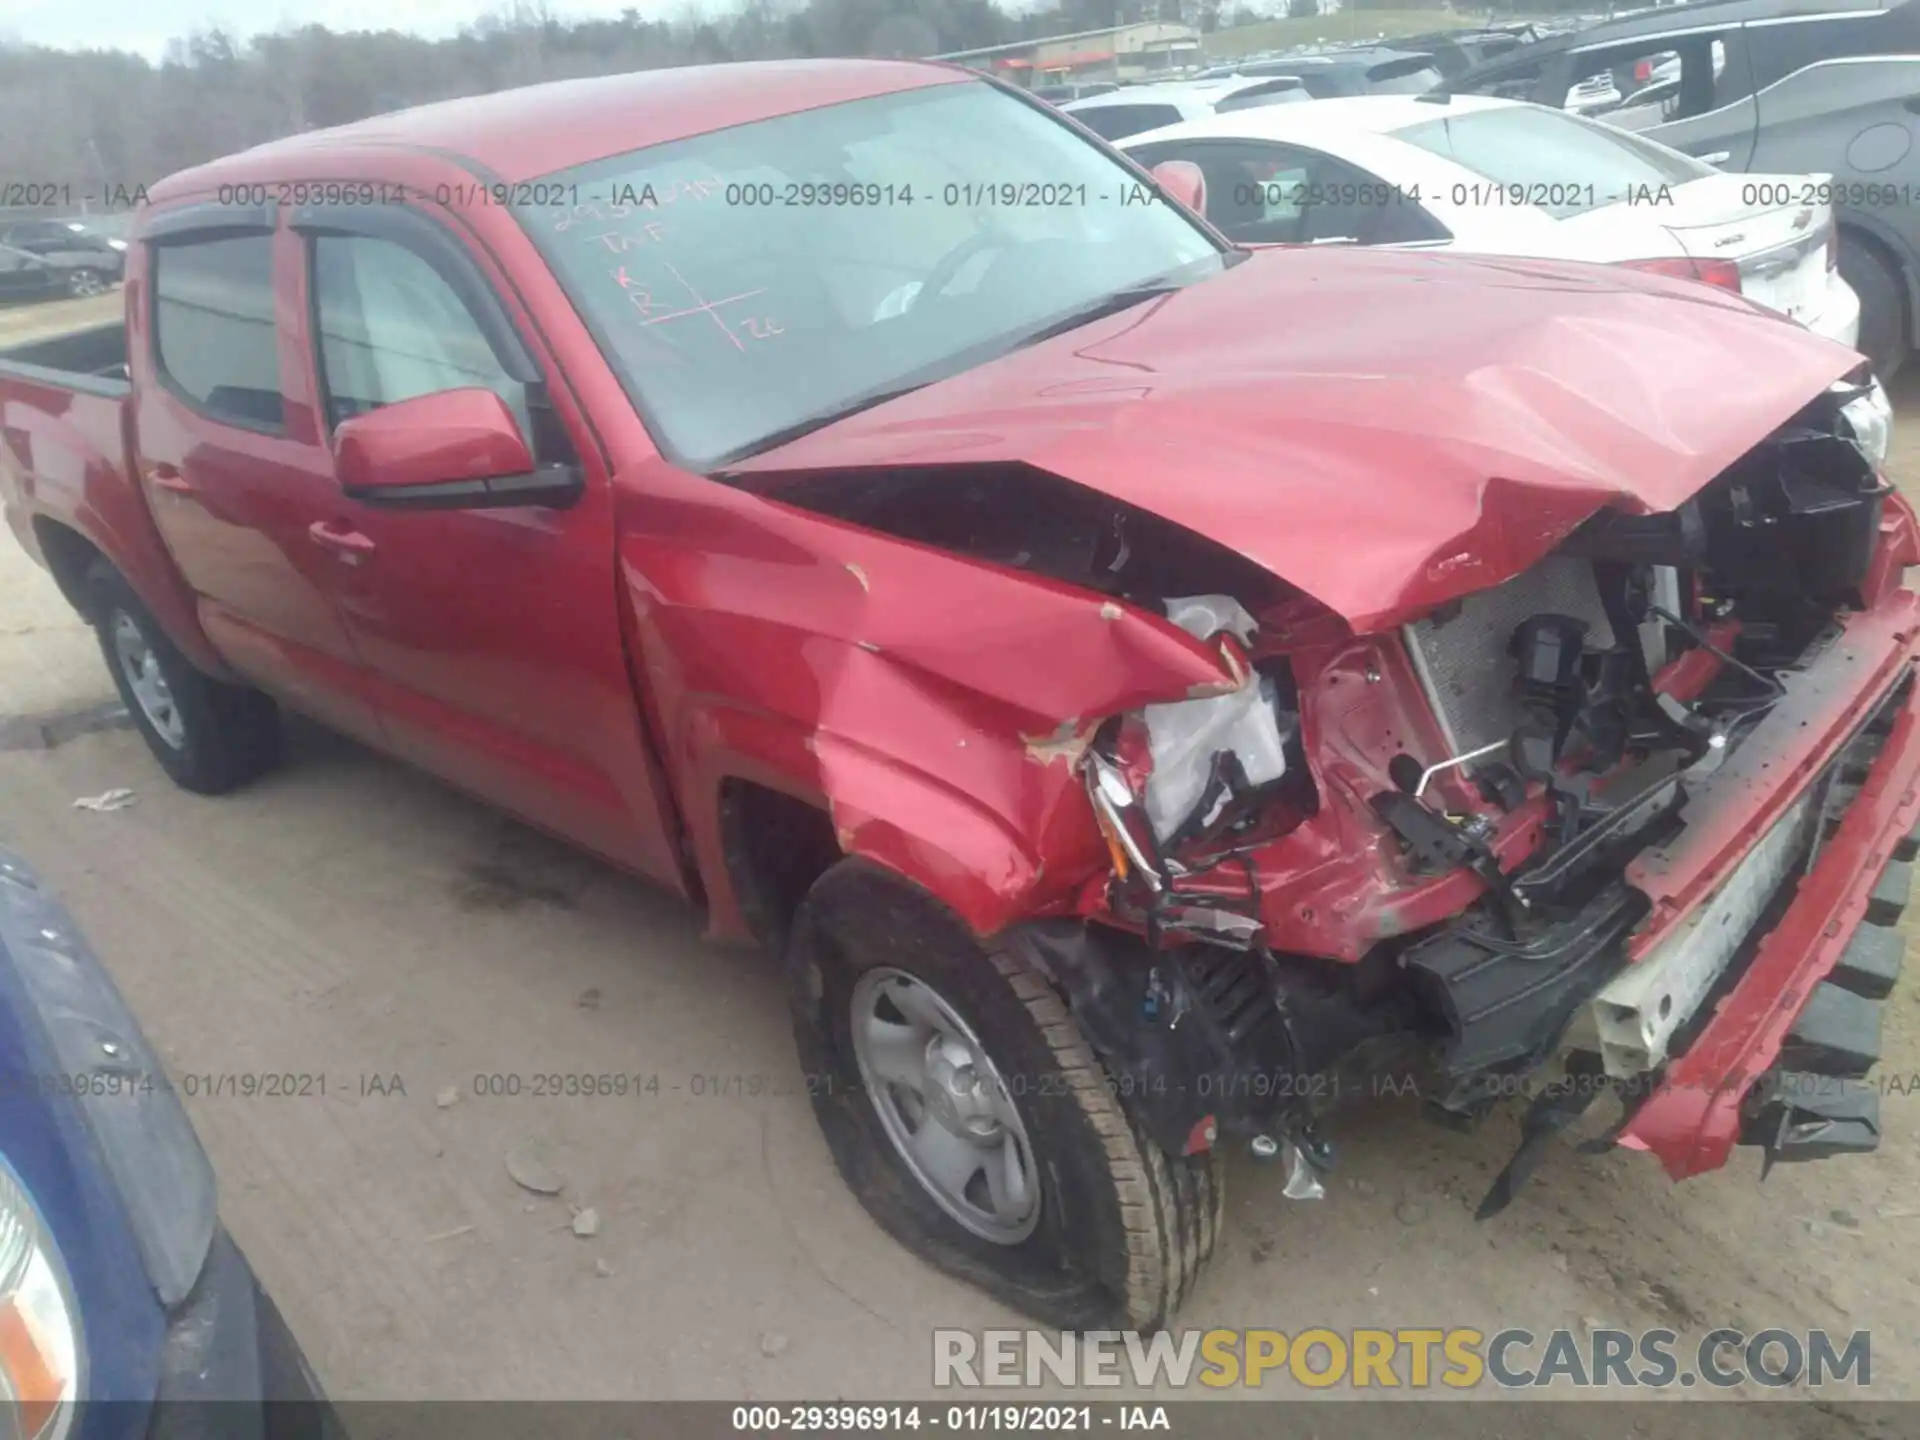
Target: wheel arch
[[1879, 239]]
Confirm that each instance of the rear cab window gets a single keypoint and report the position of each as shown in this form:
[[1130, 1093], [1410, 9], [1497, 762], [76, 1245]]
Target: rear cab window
[[214, 340], [1557, 162], [1410, 75], [1286, 91], [1116, 122]]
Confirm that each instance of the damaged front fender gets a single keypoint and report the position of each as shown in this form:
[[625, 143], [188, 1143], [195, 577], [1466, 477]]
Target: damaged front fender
[[936, 706]]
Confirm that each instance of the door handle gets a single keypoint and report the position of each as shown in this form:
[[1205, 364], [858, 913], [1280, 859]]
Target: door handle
[[350, 545], [1718, 157], [166, 477]]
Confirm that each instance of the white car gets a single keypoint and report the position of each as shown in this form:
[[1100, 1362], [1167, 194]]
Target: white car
[[1504, 177], [1133, 108]]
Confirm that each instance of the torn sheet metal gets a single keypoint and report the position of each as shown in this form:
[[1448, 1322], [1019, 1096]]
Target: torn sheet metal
[[935, 705]]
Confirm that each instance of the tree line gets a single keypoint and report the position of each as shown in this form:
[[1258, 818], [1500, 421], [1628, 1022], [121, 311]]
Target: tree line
[[107, 120]]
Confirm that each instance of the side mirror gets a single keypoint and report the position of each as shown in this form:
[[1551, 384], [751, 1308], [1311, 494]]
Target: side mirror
[[453, 450], [1185, 182]]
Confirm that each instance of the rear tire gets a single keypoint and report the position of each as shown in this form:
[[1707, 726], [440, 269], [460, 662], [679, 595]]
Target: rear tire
[[1883, 305], [210, 737], [1122, 1229]]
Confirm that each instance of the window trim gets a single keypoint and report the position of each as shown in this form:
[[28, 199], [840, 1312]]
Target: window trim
[[207, 225]]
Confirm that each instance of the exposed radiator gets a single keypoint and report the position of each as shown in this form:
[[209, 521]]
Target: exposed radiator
[[1462, 660]]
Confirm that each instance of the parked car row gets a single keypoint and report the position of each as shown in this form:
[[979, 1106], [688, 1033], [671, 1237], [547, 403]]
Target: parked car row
[[1501, 177], [1767, 88], [1115, 668], [26, 277], [1817, 109]]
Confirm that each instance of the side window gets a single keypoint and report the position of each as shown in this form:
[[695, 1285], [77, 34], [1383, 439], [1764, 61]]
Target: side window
[[1113, 122], [1652, 82], [391, 328], [1517, 82], [213, 330], [1350, 204], [1254, 190], [1266, 194]]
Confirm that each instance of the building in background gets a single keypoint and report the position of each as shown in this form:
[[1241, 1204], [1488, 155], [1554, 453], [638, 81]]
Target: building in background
[[1120, 55]]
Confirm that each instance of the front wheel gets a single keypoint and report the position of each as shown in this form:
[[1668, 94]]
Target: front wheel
[[82, 283], [207, 735], [965, 1109]]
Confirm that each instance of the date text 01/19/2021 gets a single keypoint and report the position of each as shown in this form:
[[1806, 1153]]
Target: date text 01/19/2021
[[895, 1419]]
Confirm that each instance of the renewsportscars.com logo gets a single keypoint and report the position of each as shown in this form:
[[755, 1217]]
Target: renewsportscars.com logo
[[1458, 1358]]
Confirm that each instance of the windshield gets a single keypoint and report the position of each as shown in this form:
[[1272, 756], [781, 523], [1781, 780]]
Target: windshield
[[757, 281], [1576, 164]]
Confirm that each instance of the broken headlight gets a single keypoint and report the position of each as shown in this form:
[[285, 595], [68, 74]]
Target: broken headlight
[[1869, 419], [1180, 776]]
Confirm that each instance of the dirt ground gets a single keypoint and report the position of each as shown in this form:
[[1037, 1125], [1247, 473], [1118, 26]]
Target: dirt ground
[[352, 920]]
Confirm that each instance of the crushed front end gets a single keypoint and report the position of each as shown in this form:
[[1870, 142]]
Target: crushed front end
[[1630, 825]]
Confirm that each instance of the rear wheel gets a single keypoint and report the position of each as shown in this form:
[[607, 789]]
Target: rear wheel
[[967, 1112], [1883, 305], [207, 735]]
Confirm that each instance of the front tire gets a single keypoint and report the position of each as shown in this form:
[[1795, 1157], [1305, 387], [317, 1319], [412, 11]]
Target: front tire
[[82, 283], [1883, 306], [1116, 1232], [210, 737]]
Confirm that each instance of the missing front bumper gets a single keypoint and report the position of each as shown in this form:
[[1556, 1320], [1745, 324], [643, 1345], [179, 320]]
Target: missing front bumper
[[1777, 1061]]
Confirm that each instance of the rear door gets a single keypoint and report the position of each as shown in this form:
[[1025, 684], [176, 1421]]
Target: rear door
[[230, 466], [492, 636]]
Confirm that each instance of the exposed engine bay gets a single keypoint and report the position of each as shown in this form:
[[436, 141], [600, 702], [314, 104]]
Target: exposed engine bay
[[1570, 714]]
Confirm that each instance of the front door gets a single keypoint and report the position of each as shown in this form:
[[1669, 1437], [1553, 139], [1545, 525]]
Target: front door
[[493, 636]]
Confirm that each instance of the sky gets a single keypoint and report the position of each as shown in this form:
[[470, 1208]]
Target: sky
[[145, 26]]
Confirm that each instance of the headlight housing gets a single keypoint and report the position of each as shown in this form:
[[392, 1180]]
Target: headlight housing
[[39, 1330], [1869, 416]]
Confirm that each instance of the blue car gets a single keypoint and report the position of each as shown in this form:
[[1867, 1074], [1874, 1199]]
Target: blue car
[[125, 1308]]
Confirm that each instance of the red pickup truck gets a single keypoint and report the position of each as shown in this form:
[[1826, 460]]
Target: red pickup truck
[[1148, 690]]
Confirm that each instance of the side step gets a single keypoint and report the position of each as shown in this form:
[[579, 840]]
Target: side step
[[1871, 962], [1908, 847], [1815, 1105], [1799, 1116], [1838, 1033]]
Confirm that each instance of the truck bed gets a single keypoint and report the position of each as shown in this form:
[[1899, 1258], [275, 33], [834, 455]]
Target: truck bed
[[85, 359], [68, 485], [63, 451]]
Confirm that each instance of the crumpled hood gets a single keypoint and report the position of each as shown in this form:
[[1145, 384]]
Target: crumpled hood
[[1383, 430]]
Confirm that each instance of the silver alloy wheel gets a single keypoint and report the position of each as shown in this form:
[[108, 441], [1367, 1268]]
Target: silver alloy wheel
[[86, 282], [943, 1104], [142, 669]]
